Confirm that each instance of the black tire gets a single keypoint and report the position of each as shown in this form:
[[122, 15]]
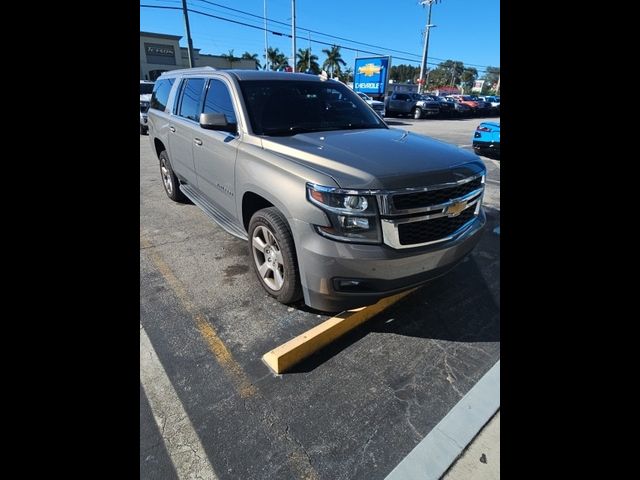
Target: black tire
[[170, 182], [276, 223], [143, 130], [417, 113]]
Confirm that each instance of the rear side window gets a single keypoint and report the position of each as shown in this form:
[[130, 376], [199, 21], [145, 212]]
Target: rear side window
[[218, 100], [402, 96], [161, 93], [190, 101]]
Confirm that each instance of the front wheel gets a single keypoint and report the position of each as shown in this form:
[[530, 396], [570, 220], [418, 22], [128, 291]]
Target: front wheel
[[417, 113], [273, 255]]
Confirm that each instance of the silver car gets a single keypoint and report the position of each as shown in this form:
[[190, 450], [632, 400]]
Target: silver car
[[377, 105], [338, 209], [146, 88]]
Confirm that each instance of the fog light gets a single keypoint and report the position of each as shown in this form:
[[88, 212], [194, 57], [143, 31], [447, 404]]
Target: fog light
[[348, 222]]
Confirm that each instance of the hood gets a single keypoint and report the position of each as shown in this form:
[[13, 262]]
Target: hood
[[146, 97], [431, 103], [375, 102], [492, 125], [377, 158]]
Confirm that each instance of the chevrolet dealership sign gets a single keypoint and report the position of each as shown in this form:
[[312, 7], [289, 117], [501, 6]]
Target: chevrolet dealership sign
[[371, 75]]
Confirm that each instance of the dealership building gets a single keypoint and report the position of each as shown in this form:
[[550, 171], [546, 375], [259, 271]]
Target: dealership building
[[160, 53]]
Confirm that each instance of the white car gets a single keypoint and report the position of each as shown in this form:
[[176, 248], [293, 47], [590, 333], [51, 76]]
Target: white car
[[377, 106], [146, 88]]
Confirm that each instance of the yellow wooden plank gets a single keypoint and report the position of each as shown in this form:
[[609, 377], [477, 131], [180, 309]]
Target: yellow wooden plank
[[282, 358]]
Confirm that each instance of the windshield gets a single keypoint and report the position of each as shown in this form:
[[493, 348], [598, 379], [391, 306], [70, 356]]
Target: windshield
[[289, 107], [363, 96], [467, 98], [146, 88]]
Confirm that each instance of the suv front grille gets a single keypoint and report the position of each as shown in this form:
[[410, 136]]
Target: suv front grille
[[408, 201], [431, 230]]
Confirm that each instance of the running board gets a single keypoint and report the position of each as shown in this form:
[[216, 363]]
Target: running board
[[215, 214]]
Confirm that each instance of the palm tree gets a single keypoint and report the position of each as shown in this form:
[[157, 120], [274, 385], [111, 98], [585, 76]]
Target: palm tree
[[277, 59], [334, 60], [346, 76], [307, 61], [230, 57], [252, 56]]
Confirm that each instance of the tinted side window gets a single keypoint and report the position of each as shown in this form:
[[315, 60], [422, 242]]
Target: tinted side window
[[402, 96], [161, 93], [218, 100], [190, 102]]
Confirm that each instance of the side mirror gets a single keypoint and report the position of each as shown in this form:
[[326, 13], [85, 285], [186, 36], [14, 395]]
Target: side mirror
[[217, 121]]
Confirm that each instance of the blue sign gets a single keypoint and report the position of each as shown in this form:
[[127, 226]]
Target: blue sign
[[371, 75]]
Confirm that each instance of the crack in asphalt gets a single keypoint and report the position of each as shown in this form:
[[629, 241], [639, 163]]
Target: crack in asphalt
[[164, 243]]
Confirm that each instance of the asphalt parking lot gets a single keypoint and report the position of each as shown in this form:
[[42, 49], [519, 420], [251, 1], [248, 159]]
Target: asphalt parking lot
[[351, 411]]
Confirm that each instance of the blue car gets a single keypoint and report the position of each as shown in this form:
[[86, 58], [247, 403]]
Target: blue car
[[486, 139]]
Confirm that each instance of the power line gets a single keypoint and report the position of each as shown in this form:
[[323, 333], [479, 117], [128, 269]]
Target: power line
[[326, 34], [309, 30], [281, 34]]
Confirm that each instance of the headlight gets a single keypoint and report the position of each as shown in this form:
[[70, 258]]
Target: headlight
[[353, 216]]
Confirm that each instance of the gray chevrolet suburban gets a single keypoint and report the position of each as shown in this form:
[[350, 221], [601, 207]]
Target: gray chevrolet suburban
[[338, 209]]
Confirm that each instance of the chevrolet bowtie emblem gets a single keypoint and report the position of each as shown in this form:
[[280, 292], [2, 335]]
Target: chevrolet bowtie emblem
[[455, 209], [369, 69]]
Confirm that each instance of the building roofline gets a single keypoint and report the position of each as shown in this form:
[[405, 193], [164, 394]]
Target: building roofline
[[160, 35]]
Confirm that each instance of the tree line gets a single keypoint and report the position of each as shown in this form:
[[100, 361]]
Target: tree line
[[447, 73], [305, 61]]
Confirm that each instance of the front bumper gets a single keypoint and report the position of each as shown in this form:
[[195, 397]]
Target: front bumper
[[339, 276]]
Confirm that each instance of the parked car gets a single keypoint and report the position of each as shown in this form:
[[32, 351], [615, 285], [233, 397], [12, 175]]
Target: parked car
[[146, 88], [483, 108], [425, 106], [494, 101], [338, 209], [459, 109], [486, 139], [377, 106], [447, 108], [399, 104]]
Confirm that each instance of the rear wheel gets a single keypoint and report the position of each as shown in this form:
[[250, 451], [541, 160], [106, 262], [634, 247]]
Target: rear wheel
[[273, 255]]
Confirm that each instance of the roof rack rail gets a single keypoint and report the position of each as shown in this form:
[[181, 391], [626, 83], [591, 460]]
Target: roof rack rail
[[192, 70]]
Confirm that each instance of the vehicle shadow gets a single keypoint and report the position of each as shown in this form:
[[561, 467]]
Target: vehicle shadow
[[462, 306]]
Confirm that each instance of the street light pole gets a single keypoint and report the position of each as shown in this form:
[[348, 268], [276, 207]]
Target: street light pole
[[293, 34], [266, 42], [423, 65]]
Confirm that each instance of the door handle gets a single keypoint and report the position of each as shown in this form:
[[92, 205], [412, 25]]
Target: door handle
[[173, 129], [197, 141]]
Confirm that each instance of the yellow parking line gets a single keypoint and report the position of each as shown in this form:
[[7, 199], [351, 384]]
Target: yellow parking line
[[282, 358], [218, 348]]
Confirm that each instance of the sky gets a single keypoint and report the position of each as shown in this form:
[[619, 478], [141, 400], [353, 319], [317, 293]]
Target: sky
[[466, 30]]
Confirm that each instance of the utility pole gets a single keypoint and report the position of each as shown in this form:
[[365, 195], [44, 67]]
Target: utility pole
[[293, 33], [266, 42], [498, 86], [189, 41], [423, 65]]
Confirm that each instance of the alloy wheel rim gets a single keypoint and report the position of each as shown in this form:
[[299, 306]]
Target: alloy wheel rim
[[166, 177], [268, 257]]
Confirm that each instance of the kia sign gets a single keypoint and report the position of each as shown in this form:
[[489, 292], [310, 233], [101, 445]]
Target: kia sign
[[370, 75]]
